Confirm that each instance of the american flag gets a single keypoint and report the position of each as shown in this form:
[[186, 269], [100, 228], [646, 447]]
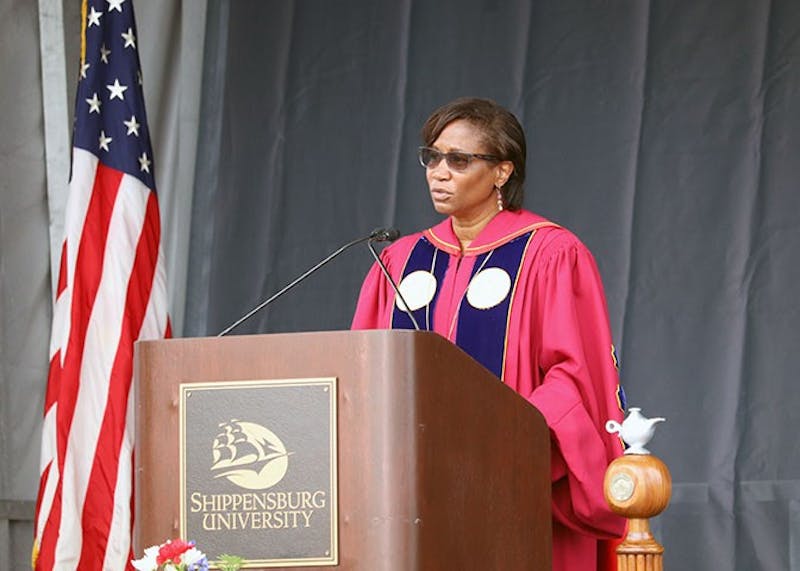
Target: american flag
[[111, 292]]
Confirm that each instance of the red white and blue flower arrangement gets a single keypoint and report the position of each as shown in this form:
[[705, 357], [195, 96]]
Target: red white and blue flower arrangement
[[179, 555]]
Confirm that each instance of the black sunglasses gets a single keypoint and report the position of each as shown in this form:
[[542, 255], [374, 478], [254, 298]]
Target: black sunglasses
[[457, 161]]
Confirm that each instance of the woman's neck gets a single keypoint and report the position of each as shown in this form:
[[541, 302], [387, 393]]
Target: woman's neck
[[467, 229]]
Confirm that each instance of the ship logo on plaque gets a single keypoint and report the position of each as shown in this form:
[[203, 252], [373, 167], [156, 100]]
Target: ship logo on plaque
[[249, 455]]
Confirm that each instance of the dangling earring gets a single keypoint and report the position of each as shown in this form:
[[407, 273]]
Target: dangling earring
[[499, 199]]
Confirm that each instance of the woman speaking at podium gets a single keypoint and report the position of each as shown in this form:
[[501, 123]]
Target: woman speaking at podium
[[522, 296]]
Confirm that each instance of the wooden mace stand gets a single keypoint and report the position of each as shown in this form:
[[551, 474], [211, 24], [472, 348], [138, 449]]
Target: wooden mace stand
[[638, 487]]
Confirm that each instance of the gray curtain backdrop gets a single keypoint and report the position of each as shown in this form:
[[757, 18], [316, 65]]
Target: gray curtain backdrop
[[665, 134], [24, 272]]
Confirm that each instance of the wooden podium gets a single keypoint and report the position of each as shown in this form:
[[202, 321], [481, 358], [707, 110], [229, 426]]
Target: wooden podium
[[440, 466]]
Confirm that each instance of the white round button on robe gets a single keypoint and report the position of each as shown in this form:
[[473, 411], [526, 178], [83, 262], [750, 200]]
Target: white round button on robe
[[488, 288], [418, 289]]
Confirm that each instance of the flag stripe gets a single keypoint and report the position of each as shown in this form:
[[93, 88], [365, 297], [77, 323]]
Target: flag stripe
[[85, 274], [53, 381], [105, 338], [49, 467], [85, 284], [43, 495], [156, 321], [82, 382], [118, 548], [62, 271], [98, 508]]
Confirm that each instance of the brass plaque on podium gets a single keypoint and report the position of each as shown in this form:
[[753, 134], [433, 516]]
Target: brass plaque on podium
[[258, 470]]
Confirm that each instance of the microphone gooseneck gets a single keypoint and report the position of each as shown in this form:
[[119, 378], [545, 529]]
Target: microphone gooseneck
[[391, 281], [377, 235]]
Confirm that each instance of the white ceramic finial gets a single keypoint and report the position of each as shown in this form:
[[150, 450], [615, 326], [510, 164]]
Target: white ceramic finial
[[636, 430]]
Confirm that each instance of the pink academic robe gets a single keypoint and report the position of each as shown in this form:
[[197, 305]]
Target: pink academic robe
[[558, 355]]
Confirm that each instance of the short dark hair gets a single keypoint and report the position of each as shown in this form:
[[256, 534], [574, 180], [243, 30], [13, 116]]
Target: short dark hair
[[502, 136]]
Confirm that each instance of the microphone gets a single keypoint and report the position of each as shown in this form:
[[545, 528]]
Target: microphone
[[392, 234], [384, 235], [377, 235]]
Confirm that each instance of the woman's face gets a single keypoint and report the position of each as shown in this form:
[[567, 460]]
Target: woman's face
[[467, 194]]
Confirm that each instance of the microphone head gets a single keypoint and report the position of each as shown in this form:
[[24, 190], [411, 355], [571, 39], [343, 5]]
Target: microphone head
[[385, 235]]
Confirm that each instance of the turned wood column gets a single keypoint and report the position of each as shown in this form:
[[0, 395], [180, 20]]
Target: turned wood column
[[638, 487]]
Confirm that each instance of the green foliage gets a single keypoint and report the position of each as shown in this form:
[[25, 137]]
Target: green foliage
[[229, 562]]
